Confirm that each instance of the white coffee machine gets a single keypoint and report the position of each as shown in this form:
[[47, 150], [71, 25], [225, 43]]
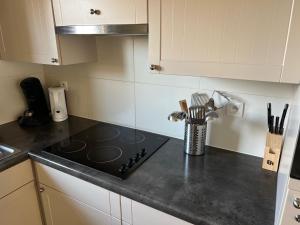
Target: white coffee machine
[[58, 104]]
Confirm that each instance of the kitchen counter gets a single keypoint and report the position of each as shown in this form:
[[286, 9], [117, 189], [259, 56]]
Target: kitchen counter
[[29, 139], [221, 188]]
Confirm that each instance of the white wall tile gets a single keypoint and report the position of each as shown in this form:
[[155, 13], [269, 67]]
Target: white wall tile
[[112, 101], [17, 69], [153, 105], [99, 99], [248, 87], [77, 95], [11, 97], [247, 134]]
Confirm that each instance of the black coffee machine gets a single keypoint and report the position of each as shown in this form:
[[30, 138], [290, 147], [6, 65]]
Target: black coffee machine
[[37, 112]]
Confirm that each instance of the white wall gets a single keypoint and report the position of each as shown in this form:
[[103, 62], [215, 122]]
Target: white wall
[[11, 97], [119, 89]]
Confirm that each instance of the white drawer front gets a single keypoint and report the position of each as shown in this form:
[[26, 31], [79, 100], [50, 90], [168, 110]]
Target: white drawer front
[[15, 177], [81, 190], [20, 207], [78, 12], [144, 215]]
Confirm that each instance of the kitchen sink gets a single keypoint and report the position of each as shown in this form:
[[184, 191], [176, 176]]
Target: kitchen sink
[[6, 151]]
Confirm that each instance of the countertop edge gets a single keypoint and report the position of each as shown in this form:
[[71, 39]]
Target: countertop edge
[[110, 186], [13, 160]]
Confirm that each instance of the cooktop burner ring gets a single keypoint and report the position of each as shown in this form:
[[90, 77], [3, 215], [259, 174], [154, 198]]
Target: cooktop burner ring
[[73, 146], [107, 134], [105, 154], [137, 138]]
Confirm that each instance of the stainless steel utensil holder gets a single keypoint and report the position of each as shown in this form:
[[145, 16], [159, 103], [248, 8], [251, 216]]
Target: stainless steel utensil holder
[[194, 138]]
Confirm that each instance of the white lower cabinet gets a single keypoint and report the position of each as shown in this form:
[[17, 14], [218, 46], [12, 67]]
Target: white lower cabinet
[[126, 208], [20, 207], [61, 209], [69, 200], [18, 197], [144, 215], [78, 189], [124, 223], [115, 221]]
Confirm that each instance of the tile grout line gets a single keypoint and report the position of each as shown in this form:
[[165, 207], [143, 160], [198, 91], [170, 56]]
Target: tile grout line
[[134, 79]]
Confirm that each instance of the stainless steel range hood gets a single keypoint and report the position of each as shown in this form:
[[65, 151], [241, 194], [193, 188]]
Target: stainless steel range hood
[[116, 29]]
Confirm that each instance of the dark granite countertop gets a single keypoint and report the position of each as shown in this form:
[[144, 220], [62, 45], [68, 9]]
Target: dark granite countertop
[[221, 188], [29, 139]]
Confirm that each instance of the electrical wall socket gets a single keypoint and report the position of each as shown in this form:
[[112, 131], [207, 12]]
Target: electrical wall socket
[[64, 84], [235, 109]]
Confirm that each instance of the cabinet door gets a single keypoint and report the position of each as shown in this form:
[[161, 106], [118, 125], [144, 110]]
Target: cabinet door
[[144, 215], [291, 70], [20, 207], [78, 12], [240, 39], [93, 195], [61, 209], [27, 31], [126, 207], [15, 177], [115, 221]]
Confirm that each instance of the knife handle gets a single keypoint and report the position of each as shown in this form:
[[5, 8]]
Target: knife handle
[[281, 129], [269, 106], [183, 106], [272, 124], [277, 125]]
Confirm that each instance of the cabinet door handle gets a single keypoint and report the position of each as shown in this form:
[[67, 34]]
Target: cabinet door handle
[[296, 203], [54, 60], [95, 12], [42, 189], [154, 67]]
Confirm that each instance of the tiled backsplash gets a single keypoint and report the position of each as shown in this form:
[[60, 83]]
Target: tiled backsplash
[[11, 97], [120, 89]]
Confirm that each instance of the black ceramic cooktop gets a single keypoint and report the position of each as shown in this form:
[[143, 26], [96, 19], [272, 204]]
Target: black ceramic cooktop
[[109, 148]]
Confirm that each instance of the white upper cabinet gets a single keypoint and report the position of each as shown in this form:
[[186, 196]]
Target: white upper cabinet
[[291, 71], [95, 12], [239, 39], [28, 34]]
